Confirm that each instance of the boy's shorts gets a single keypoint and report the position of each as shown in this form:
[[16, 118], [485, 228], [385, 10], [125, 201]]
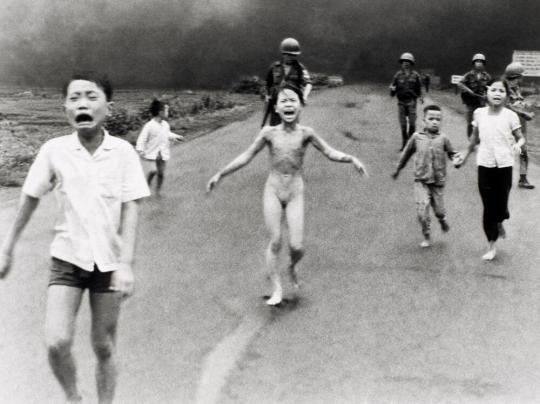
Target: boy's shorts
[[67, 274]]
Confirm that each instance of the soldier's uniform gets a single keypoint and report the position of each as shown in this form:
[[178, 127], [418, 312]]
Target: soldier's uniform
[[516, 104], [407, 87], [476, 81], [277, 78]]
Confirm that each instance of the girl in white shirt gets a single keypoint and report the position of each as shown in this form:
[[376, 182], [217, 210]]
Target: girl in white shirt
[[153, 143], [497, 131]]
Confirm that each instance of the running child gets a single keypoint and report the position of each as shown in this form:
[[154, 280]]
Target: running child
[[497, 132], [98, 181], [284, 189], [153, 143], [430, 148]]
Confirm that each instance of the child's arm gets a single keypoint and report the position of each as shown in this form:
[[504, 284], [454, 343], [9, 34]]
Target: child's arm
[[174, 136], [333, 154], [449, 149], [408, 151], [122, 279], [240, 161], [27, 206], [474, 140], [520, 140]]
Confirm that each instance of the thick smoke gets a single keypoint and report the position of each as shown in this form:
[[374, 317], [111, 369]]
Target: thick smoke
[[210, 43]]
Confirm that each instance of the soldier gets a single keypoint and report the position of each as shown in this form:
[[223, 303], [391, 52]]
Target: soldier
[[473, 88], [512, 78], [427, 81], [407, 86], [287, 71]]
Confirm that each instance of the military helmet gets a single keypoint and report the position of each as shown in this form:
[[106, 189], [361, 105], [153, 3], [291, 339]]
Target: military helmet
[[406, 56], [480, 57], [290, 46], [514, 70]]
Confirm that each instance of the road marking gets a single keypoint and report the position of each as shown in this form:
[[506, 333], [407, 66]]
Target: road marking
[[223, 358]]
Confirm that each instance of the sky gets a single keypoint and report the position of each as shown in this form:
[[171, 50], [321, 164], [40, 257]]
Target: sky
[[212, 43]]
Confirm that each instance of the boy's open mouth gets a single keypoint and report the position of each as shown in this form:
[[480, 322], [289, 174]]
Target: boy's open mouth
[[288, 113], [83, 118]]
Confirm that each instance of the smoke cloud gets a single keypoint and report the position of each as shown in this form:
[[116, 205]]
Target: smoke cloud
[[210, 43]]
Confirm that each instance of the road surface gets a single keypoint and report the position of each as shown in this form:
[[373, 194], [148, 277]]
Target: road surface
[[379, 319]]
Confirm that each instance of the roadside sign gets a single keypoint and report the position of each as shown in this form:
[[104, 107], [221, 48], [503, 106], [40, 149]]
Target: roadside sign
[[456, 78], [530, 61]]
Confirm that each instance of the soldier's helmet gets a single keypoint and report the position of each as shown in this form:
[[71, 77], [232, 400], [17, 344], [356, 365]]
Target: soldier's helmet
[[514, 70], [480, 57], [406, 56], [290, 46]]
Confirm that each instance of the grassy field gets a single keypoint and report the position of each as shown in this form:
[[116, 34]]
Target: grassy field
[[30, 117]]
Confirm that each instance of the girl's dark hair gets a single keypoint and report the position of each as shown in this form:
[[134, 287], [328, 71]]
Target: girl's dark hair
[[101, 80], [505, 84], [294, 88], [156, 106]]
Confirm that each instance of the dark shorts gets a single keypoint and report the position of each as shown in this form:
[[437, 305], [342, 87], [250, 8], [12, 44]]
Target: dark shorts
[[67, 274]]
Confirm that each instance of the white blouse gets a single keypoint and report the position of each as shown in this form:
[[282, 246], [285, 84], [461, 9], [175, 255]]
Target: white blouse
[[496, 139]]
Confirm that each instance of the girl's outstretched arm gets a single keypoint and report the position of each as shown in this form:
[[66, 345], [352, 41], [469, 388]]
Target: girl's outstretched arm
[[240, 161], [473, 141], [333, 154]]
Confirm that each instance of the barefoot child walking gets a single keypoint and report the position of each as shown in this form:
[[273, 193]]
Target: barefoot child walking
[[153, 143], [430, 148], [497, 132], [284, 189]]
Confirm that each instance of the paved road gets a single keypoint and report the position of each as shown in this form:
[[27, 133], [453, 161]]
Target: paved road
[[379, 320]]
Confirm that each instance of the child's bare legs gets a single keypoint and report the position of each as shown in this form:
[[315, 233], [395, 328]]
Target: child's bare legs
[[62, 306], [160, 165], [273, 211], [295, 222], [150, 177], [105, 310]]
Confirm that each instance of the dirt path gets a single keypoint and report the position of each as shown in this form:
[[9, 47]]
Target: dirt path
[[379, 319]]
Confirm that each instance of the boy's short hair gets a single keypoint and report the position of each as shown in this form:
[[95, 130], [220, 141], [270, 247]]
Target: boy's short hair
[[156, 106], [432, 107], [294, 88], [101, 80]]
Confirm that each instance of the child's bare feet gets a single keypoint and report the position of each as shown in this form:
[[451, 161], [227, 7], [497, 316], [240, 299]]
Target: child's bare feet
[[491, 253], [277, 294], [425, 243], [275, 299]]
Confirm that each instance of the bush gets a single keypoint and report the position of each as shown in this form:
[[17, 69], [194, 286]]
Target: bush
[[120, 122], [249, 85]]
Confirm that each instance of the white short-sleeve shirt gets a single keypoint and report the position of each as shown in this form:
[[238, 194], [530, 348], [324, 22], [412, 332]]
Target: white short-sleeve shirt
[[496, 139], [90, 190], [155, 139]]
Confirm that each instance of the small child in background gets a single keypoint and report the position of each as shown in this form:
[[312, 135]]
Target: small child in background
[[153, 143], [430, 148]]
